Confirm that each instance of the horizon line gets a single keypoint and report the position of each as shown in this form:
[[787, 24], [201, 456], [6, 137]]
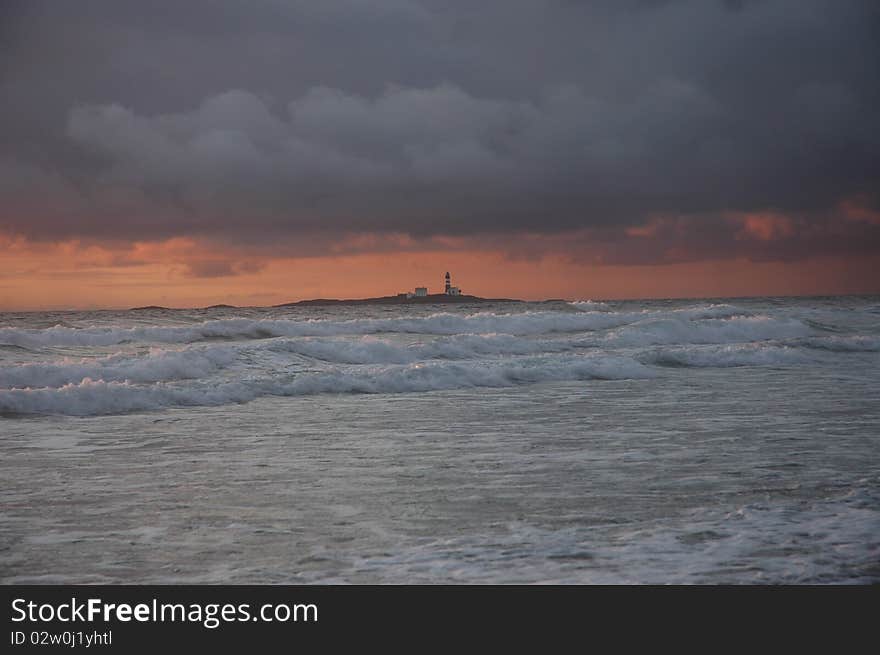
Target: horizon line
[[305, 301]]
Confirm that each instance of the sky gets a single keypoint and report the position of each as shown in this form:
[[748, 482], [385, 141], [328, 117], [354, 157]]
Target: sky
[[253, 153]]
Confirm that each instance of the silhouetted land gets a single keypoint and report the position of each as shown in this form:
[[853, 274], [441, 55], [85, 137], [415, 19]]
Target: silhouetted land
[[434, 298]]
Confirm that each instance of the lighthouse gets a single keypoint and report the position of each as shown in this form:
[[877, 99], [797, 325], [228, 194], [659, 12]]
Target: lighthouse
[[451, 290]]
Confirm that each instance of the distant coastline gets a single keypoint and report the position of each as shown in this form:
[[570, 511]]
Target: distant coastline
[[440, 298], [430, 299], [433, 298]]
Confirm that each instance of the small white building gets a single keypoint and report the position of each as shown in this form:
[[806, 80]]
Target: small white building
[[421, 292]]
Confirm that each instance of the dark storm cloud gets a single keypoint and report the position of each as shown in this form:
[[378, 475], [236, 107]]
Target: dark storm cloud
[[266, 122]]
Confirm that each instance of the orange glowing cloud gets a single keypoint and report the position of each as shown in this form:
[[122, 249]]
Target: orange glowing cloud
[[185, 272], [857, 209], [765, 226]]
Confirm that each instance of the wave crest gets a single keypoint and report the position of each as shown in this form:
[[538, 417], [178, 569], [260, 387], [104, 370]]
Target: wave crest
[[94, 397]]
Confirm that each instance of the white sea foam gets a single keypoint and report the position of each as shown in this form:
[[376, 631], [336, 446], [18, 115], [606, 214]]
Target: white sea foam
[[522, 324], [589, 305], [508, 461], [201, 361], [748, 354], [754, 543], [373, 350], [154, 366], [714, 330], [715, 310], [705, 343], [92, 397], [290, 357], [759, 542]]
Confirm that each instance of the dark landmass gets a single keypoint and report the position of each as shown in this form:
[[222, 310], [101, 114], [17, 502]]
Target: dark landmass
[[434, 298]]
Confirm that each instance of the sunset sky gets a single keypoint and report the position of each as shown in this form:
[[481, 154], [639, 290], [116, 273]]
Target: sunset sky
[[253, 153]]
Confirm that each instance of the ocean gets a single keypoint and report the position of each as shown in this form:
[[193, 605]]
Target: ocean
[[677, 441]]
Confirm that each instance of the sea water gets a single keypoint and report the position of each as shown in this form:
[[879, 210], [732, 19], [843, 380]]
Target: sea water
[[704, 441]]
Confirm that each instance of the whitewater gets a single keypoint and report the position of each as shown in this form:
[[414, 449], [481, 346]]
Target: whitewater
[[683, 441]]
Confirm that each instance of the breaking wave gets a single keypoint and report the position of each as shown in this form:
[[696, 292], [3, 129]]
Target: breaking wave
[[520, 324], [711, 330], [93, 397], [526, 323], [234, 360], [155, 366], [749, 354], [590, 305]]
